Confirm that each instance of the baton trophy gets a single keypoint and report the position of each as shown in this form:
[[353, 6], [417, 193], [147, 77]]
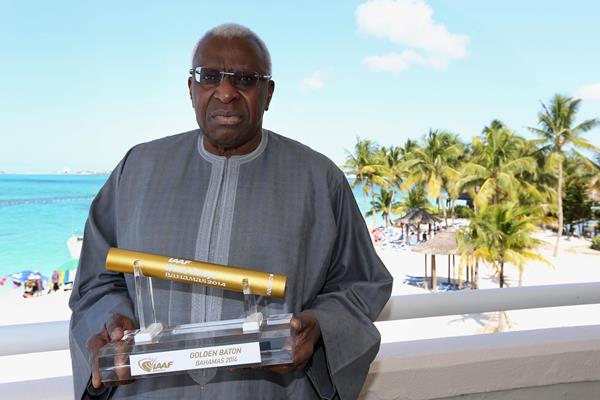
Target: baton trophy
[[157, 349]]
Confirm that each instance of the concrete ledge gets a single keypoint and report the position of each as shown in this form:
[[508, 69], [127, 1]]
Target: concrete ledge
[[60, 388], [25, 338], [447, 367], [563, 391]]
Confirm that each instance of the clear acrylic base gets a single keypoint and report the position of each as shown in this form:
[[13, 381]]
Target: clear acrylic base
[[219, 344]]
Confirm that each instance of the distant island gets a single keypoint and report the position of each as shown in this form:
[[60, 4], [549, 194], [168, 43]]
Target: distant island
[[64, 171]]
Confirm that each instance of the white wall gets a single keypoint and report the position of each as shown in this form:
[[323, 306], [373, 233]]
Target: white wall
[[448, 367]]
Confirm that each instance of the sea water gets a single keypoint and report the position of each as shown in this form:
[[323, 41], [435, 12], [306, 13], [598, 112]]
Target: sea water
[[38, 214]]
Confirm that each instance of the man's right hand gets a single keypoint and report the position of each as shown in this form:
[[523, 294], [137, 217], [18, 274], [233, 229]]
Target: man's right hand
[[112, 331]]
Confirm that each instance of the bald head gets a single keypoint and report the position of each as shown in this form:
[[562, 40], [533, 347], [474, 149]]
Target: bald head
[[236, 31]]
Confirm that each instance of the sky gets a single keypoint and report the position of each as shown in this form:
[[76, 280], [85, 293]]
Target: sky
[[83, 81]]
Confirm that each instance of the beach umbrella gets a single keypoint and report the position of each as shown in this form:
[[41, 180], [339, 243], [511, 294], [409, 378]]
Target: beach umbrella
[[20, 277], [417, 216], [444, 243], [24, 276], [71, 264], [67, 271]]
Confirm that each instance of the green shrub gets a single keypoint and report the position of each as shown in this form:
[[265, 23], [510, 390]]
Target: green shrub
[[596, 243]]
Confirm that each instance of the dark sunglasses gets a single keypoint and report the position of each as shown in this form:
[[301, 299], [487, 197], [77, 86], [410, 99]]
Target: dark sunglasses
[[210, 77]]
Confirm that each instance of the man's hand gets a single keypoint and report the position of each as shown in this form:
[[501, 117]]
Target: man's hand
[[306, 331], [112, 331]]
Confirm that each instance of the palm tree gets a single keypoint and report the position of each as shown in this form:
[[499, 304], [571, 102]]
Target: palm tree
[[434, 164], [498, 160], [595, 181], [416, 198], [469, 244], [540, 183], [408, 147], [390, 159], [363, 164], [504, 234], [382, 204], [578, 184], [557, 132]]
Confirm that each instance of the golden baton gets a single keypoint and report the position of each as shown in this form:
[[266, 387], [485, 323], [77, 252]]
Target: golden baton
[[196, 272]]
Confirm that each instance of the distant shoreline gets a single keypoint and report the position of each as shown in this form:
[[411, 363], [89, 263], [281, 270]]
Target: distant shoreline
[[56, 173]]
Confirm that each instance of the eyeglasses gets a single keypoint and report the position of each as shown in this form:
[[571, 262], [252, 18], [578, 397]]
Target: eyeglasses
[[210, 77]]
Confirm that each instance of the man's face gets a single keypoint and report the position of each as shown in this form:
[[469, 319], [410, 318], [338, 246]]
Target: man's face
[[230, 117]]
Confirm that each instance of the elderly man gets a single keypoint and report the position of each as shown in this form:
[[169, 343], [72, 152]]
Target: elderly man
[[233, 193]]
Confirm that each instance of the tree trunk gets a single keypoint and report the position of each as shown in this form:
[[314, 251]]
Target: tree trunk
[[559, 208], [476, 275], [433, 274], [501, 273], [460, 276], [389, 213], [425, 277], [442, 202], [454, 272], [521, 270]]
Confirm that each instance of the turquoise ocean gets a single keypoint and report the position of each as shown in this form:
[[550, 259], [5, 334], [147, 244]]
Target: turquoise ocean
[[38, 213]]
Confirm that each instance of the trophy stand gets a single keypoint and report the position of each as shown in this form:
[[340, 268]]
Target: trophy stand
[[145, 301], [157, 349]]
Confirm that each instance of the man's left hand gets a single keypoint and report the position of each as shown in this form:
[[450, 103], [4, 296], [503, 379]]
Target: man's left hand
[[306, 331]]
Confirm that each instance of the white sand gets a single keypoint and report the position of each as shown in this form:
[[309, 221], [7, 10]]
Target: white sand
[[48, 307]]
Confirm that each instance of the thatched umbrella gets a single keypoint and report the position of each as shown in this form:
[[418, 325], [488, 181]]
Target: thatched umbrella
[[443, 243], [416, 216]]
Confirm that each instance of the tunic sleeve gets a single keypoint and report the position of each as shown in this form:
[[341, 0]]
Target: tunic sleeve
[[97, 293], [357, 288]]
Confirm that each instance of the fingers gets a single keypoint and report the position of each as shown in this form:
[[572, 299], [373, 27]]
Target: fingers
[[117, 325], [113, 331], [122, 368], [305, 333], [93, 345], [296, 324]]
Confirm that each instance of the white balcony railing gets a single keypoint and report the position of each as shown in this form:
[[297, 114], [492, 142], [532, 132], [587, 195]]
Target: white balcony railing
[[405, 370]]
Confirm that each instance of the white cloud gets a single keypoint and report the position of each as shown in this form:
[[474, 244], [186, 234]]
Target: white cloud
[[316, 80], [398, 62], [589, 92], [409, 24]]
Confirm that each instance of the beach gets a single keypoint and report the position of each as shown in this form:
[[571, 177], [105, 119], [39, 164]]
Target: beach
[[575, 263]]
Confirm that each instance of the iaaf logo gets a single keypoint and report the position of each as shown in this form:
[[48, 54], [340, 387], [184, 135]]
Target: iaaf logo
[[150, 365], [179, 261]]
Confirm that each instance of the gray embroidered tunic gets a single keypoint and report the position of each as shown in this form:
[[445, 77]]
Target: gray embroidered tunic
[[283, 208]]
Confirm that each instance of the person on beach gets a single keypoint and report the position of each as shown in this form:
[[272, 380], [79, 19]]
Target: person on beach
[[55, 281], [233, 193]]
